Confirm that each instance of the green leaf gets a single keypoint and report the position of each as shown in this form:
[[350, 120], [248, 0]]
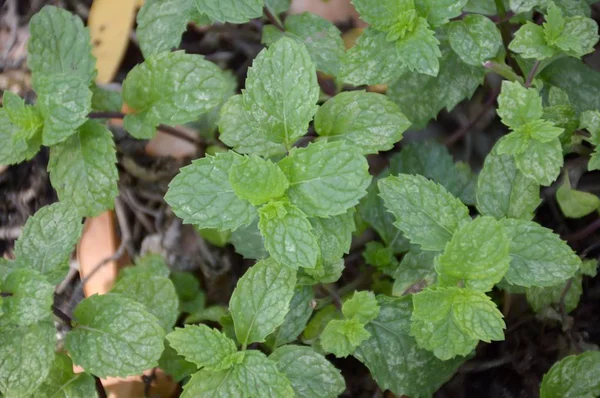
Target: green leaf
[[237, 132], [433, 160], [538, 256], [326, 179], [157, 293], [415, 272], [261, 300], [518, 105], [248, 241], [419, 49], [160, 24], [278, 6], [47, 240], [27, 353], [541, 161], [106, 100], [206, 347], [520, 6], [60, 44], [311, 375], [322, 39], [151, 263], [64, 102], [383, 14], [575, 36], [439, 12], [368, 121], [380, 257], [114, 336], [541, 299], [257, 180], [296, 319], [26, 117], [334, 235], [530, 42], [514, 143], [362, 306], [476, 256], [504, 191], [174, 364], [574, 203], [541, 130], [234, 11], [395, 360], [63, 382], [288, 234], [254, 376], [83, 171], [573, 376], [425, 212], [422, 97], [201, 194], [31, 299], [281, 92], [171, 88], [450, 321], [475, 39], [13, 150], [341, 337], [325, 272], [373, 60]]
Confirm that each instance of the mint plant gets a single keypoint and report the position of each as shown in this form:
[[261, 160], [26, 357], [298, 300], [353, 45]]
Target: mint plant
[[310, 179]]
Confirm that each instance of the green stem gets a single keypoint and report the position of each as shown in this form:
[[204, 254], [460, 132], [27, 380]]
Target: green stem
[[506, 36], [503, 70]]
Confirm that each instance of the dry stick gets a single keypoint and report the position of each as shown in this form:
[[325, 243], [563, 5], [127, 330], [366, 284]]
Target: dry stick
[[161, 127]]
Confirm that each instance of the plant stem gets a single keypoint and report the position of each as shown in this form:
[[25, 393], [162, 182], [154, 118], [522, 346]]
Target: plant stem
[[506, 36], [63, 317], [4, 294], [100, 388], [532, 74], [273, 19]]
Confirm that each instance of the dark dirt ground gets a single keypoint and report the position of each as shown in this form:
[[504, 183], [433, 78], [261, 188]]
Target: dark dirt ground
[[511, 368]]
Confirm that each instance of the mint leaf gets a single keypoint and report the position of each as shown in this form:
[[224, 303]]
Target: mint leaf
[[47, 240], [395, 360], [114, 336], [475, 39], [530, 42], [422, 97], [281, 92], [83, 171], [248, 241], [234, 11], [254, 376], [504, 191], [450, 321], [519, 6], [206, 347], [63, 382], [326, 271], [542, 299], [369, 121], [383, 14], [171, 88], [538, 256], [261, 300], [518, 105], [151, 263], [415, 271], [60, 44], [433, 160], [541, 161], [237, 132], [278, 6], [157, 293], [64, 102], [310, 374], [296, 318], [31, 299], [288, 234], [425, 212], [439, 12], [575, 36], [362, 306], [257, 180], [341, 337], [174, 364], [334, 235], [201, 194], [326, 179], [573, 376], [27, 353], [160, 24], [476, 256], [26, 117], [373, 60], [574, 203], [322, 39], [15, 150], [380, 257], [107, 100], [419, 50]]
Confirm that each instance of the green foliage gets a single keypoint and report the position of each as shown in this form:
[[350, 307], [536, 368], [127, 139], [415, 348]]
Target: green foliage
[[575, 203], [573, 376], [63, 382]]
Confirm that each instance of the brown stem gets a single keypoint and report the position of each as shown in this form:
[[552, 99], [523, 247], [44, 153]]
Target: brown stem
[[532, 74], [63, 317], [583, 233], [458, 134], [273, 19], [100, 388]]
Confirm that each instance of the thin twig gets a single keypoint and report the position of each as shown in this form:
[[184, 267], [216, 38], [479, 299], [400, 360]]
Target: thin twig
[[5, 294], [583, 233], [66, 320], [335, 297], [561, 303], [100, 388], [532, 74], [458, 134], [273, 19]]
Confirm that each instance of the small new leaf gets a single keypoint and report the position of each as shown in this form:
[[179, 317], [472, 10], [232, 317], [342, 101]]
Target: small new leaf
[[341, 337], [14, 150], [257, 180], [261, 300], [518, 105], [362, 306], [206, 347]]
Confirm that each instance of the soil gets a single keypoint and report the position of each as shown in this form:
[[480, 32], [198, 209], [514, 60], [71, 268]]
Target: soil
[[511, 368]]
